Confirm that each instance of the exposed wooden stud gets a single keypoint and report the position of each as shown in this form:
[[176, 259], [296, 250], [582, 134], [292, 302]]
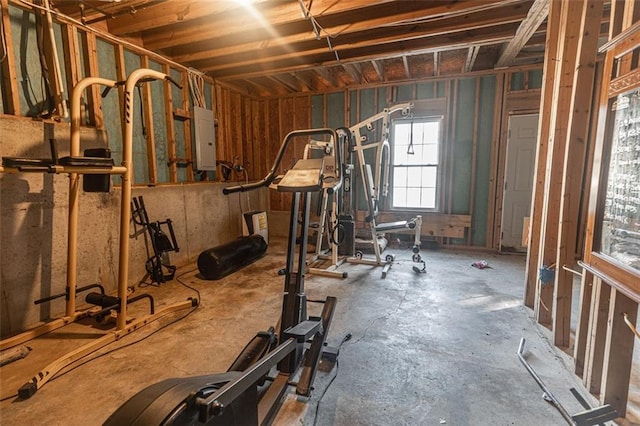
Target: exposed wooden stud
[[596, 336], [91, 67], [148, 126], [494, 189], [618, 352], [171, 139], [186, 105], [10, 93], [327, 75], [537, 14], [305, 79], [261, 87], [354, 72], [407, 69], [474, 152], [578, 114], [582, 328], [292, 84], [436, 64], [379, 68], [71, 66], [471, 58], [532, 284], [451, 147]]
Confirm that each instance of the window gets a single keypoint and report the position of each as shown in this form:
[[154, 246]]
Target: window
[[415, 161]]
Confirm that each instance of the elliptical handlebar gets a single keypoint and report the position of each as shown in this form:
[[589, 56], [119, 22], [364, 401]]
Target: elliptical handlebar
[[271, 176]]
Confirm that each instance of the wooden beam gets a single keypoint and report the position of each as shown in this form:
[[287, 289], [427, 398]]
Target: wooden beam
[[407, 69], [379, 68], [578, 117], [288, 81], [148, 126], [471, 58], [532, 284], [538, 13], [10, 93], [186, 106], [582, 327], [71, 66], [372, 42], [327, 75], [618, 352], [91, 69], [436, 63], [354, 72], [305, 79], [596, 336], [287, 26], [171, 138]]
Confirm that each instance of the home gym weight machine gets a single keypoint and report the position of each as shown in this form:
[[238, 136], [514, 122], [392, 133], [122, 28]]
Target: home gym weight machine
[[250, 392], [74, 166], [328, 226], [376, 185]]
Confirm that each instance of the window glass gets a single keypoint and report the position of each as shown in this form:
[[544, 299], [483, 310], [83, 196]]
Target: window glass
[[620, 228], [416, 156]]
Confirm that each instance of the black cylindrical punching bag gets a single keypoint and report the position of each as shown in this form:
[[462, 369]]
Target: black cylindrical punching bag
[[225, 259]]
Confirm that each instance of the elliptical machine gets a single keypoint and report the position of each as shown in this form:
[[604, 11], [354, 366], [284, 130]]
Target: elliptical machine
[[250, 392]]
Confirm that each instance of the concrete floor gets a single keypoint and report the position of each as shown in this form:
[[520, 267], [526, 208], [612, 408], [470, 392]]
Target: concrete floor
[[437, 348]]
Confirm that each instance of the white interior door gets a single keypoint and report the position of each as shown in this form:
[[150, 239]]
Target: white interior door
[[518, 184]]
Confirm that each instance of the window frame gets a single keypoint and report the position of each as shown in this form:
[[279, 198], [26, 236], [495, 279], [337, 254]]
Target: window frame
[[440, 119]]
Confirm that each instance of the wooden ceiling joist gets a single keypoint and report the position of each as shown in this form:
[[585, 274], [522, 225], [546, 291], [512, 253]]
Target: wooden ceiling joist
[[537, 14], [407, 69], [379, 68], [471, 58]]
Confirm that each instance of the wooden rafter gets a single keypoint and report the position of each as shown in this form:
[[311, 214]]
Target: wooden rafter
[[471, 58], [538, 13], [379, 68], [327, 75], [407, 69], [360, 34], [354, 72]]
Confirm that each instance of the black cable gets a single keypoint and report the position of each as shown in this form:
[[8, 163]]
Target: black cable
[[315, 416]]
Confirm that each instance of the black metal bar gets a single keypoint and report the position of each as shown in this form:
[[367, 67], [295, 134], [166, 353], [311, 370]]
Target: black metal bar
[[215, 404], [312, 357], [270, 177]]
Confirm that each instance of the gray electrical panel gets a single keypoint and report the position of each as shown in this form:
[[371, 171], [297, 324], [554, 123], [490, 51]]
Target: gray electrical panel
[[205, 132]]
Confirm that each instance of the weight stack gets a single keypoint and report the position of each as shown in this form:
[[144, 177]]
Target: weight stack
[[348, 245], [220, 261]]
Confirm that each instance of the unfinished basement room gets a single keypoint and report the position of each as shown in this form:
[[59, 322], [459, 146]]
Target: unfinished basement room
[[320, 212]]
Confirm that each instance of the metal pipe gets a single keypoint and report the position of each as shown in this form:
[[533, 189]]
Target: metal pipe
[[547, 392]]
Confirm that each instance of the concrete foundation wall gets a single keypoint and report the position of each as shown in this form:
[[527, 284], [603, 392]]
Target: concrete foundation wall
[[33, 226]]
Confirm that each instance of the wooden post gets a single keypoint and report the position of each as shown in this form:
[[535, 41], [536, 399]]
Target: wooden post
[[532, 290], [10, 90], [595, 344], [582, 329], [578, 115], [148, 120], [618, 352], [186, 106], [91, 67], [171, 138]]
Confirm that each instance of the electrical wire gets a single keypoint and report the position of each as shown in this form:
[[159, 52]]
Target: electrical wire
[[315, 416], [196, 87]]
